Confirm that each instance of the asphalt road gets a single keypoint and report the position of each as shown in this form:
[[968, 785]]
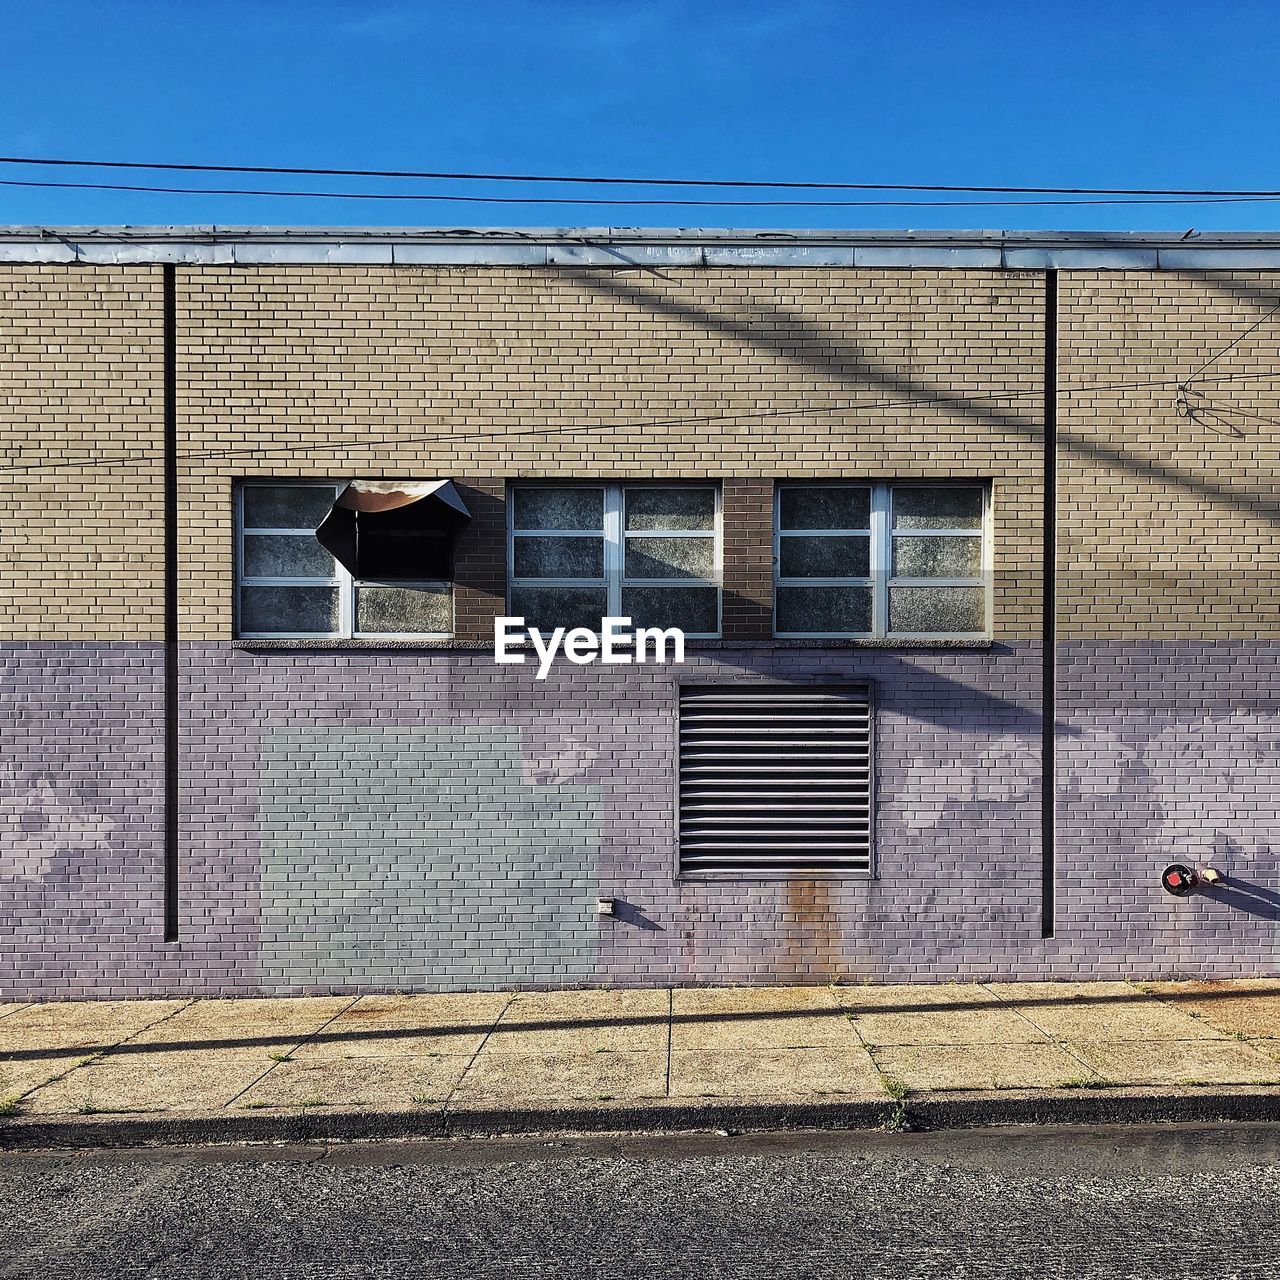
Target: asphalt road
[[1141, 1203]]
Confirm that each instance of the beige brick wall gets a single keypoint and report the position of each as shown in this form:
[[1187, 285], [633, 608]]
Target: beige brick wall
[[80, 384], [508, 372], [493, 372], [1169, 528]]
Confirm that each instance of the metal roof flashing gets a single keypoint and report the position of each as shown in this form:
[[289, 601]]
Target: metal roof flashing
[[640, 247]]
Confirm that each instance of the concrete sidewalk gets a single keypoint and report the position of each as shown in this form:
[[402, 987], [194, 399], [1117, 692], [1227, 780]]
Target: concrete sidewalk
[[688, 1058]]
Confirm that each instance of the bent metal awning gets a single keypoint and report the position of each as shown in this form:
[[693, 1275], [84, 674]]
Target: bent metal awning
[[438, 505]]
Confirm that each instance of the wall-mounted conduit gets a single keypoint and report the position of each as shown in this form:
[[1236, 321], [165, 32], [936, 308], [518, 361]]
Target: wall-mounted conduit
[[1048, 651], [170, 381]]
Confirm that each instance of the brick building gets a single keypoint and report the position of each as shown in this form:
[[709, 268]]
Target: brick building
[[875, 477]]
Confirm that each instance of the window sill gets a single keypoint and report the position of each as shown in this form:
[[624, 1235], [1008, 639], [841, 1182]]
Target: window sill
[[772, 877], [364, 642], [861, 642], [691, 646]]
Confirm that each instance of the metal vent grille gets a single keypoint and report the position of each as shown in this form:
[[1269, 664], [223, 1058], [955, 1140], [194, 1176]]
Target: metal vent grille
[[775, 780]]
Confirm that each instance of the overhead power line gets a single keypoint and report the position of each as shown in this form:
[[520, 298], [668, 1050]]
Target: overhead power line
[[1235, 342], [664, 202], [942, 397], [446, 176]]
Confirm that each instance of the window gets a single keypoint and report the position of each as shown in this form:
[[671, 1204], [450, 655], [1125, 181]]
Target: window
[[881, 560], [775, 780], [648, 552], [290, 586]]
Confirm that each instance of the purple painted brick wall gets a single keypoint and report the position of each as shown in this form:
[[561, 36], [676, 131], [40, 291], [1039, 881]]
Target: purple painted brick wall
[[1164, 751], [81, 806], [1168, 752]]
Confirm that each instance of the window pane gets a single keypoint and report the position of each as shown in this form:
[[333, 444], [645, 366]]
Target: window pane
[[833, 557], [692, 609], [827, 610], [808, 507], [285, 555], [936, 609], [925, 557], [550, 607], [289, 609], [670, 558], [558, 508], [671, 509], [401, 553], [559, 557], [391, 609], [943, 508], [290, 506]]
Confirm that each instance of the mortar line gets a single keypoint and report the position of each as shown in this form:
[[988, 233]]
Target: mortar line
[[104, 1052], [1060, 1044], [484, 1040], [671, 1015], [311, 1035]]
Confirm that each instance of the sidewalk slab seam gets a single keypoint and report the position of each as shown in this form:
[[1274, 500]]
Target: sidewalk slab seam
[[502, 1013], [102, 1054], [525, 1054], [1044, 1031], [277, 1061]]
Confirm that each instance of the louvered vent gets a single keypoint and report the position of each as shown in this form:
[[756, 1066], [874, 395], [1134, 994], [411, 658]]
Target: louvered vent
[[775, 780]]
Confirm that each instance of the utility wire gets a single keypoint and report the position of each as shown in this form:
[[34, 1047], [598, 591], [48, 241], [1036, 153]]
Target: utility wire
[[654, 201], [1184, 406], [633, 182], [1204, 402], [942, 396], [1235, 342]]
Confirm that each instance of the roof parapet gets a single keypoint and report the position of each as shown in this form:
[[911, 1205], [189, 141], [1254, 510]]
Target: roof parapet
[[640, 247]]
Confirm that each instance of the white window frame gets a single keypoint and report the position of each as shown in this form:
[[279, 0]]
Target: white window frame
[[614, 539], [341, 578], [881, 536]]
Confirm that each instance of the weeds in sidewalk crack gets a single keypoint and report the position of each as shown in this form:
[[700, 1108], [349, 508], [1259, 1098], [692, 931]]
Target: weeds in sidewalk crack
[[897, 1122], [894, 1087]]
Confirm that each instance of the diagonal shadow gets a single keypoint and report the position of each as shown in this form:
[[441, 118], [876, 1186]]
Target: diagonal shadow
[[362, 1035], [789, 336], [1247, 896], [916, 691]]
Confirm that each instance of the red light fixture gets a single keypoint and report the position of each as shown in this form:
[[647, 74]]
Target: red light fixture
[[1179, 880]]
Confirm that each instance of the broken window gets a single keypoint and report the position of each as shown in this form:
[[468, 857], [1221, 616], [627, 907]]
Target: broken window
[[362, 559]]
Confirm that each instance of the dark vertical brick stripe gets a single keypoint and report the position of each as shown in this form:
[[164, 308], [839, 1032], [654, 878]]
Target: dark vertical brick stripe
[[480, 562], [747, 513]]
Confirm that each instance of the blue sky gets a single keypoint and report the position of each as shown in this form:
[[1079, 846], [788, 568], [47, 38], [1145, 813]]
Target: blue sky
[[1057, 94]]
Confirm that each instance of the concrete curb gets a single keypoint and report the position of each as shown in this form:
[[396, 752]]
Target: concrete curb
[[959, 1110]]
